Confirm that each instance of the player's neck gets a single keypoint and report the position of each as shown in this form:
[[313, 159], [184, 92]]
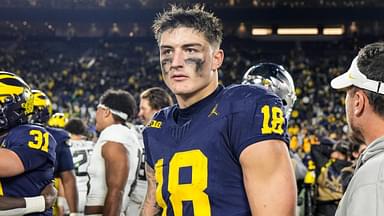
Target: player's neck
[[186, 101]]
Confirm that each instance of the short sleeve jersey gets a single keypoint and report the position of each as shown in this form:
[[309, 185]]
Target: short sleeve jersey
[[195, 151]]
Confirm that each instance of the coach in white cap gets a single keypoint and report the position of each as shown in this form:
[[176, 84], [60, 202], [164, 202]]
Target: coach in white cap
[[364, 104]]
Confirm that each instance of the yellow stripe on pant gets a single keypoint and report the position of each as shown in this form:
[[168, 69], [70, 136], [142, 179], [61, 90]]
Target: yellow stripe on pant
[[55, 206], [1, 190]]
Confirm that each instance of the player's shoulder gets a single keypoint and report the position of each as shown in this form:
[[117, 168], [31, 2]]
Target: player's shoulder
[[57, 130], [116, 129], [244, 98], [165, 113], [118, 132], [238, 92], [26, 128], [83, 144], [25, 132], [58, 133], [160, 119]]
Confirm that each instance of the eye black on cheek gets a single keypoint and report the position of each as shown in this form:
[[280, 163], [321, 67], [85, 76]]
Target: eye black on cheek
[[165, 61], [197, 62]]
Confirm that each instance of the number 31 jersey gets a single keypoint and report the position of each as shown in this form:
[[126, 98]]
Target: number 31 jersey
[[36, 149], [195, 151]]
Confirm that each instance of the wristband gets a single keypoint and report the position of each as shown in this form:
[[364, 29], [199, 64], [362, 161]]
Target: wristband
[[34, 204], [61, 201], [76, 214]]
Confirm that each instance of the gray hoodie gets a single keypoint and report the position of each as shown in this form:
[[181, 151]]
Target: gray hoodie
[[365, 193]]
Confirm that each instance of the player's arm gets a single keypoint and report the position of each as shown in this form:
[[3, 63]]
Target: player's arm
[[65, 170], [150, 208], [10, 206], [269, 178], [70, 189], [116, 174], [10, 163]]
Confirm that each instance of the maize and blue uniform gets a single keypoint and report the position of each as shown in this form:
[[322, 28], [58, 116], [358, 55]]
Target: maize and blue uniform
[[36, 149], [64, 160], [195, 151]]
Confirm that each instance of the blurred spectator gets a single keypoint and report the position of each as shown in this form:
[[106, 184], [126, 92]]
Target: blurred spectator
[[330, 158], [347, 172]]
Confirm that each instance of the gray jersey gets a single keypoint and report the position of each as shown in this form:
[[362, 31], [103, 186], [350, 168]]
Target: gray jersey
[[137, 195], [81, 151]]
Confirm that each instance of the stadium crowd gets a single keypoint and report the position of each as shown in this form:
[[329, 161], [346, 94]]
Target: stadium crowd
[[74, 73]]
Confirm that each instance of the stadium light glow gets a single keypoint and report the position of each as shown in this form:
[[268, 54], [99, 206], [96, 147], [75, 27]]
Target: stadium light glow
[[297, 31], [261, 31], [333, 31]]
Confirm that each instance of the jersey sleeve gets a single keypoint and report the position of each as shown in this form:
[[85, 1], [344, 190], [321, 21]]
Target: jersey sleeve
[[34, 146], [257, 120]]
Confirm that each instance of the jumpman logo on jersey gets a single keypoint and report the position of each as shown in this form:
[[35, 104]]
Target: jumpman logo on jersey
[[214, 111]]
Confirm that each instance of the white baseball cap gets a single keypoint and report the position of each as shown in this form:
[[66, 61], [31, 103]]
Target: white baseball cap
[[354, 77]]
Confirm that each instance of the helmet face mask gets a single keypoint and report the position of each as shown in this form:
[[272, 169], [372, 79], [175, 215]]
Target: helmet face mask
[[16, 101], [275, 78]]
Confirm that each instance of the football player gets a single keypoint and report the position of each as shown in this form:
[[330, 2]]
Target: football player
[[27, 152], [219, 151], [81, 150], [64, 169], [115, 157]]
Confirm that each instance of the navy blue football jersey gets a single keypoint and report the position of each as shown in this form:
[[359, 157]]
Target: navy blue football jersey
[[195, 151], [36, 149], [64, 160]]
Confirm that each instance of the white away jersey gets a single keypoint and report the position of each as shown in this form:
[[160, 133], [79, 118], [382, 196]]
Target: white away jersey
[[96, 170]]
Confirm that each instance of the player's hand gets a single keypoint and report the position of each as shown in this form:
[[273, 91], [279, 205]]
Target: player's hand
[[50, 195]]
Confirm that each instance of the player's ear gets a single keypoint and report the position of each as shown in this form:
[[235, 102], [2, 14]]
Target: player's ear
[[107, 113], [218, 57]]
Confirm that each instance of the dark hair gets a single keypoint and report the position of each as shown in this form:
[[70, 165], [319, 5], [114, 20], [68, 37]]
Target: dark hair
[[191, 17], [355, 147], [342, 147], [119, 100], [76, 126], [157, 97], [371, 63]]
